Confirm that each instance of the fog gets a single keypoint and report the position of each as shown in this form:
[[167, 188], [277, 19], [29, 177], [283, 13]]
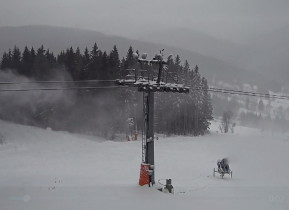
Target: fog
[[94, 112], [229, 19], [248, 35], [251, 35], [32, 103]]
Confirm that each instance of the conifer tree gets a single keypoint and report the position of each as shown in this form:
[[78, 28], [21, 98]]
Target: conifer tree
[[104, 74], [186, 70], [70, 62], [26, 63], [78, 64], [130, 61], [51, 60], [114, 63], [95, 62], [61, 58], [83, 75], [6, 61], [41, 66], [177, 69], [16, 59], [206, 109], [86, 56]]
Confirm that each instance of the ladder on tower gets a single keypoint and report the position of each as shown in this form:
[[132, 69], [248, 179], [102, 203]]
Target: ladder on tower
[[144, 132]]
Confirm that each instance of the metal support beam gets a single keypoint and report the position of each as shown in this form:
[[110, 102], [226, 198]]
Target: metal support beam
[[148, 86], [149, 120], [160, 72]]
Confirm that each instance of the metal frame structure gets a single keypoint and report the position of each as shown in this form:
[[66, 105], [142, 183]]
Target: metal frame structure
[[149, 84]]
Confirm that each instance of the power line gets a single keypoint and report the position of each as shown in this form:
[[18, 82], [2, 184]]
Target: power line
[[210, 89], [249, 94], [54, 82], [68, 88], [263, 95], [244, 93]]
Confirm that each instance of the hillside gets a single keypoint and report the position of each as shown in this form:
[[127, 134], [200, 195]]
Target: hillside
[[202, 43], [274, 49], [264, 54], [44, 169], [59, 38]]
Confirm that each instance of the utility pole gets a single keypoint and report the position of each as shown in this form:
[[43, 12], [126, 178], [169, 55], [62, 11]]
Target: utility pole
[[149, 131], [148, 86]]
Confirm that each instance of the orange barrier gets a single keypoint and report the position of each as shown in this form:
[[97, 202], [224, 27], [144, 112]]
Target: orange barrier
[[144, 174]]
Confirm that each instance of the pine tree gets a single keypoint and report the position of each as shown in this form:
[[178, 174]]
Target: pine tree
[[32, 61], [170, 71], [186, 67], [6, 61], [61, 58], [86, 56], [16, 59], [195, 97], [70, 62], [32, 55], [114, 63], [51, 60], [104, 74], [86, 61], [130, 61], [26, 64], [78, 64], [41, 66], [206, 109], [95, 62], [178, 69], [186, 71]]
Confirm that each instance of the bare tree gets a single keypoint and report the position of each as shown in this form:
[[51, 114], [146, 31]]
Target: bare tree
[[2, 139], [226, 121]]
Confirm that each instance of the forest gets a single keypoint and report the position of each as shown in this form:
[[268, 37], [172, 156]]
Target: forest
[[87, 101]]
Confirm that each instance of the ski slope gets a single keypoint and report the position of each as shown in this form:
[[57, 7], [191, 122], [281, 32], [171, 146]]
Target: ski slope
[[44, 169]]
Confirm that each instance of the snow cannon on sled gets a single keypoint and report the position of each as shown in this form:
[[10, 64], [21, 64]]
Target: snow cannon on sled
[[223, 168], [168, 187]]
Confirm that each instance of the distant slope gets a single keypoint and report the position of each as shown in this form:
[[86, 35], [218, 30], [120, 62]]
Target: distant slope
[[193, 40], [260, 54], [54, 38], [274, 46], [60, 38]]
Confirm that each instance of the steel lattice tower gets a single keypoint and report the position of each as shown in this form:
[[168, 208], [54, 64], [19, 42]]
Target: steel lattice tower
[[148, 85]]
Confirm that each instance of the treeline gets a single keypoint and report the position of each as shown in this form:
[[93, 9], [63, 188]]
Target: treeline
[[185, 114], [41, 64], [106, 112]]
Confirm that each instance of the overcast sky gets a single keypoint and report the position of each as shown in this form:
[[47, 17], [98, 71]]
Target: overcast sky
[[232, 19]]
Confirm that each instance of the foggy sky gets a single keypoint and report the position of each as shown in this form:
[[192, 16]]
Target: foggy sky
[[233, 19]]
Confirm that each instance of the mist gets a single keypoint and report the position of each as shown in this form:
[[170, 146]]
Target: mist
[[23, 101], [94, 112], [232, 41], [233, 20]]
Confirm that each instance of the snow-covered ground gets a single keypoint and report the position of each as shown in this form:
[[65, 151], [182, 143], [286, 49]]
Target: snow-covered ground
[[43, 169]]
